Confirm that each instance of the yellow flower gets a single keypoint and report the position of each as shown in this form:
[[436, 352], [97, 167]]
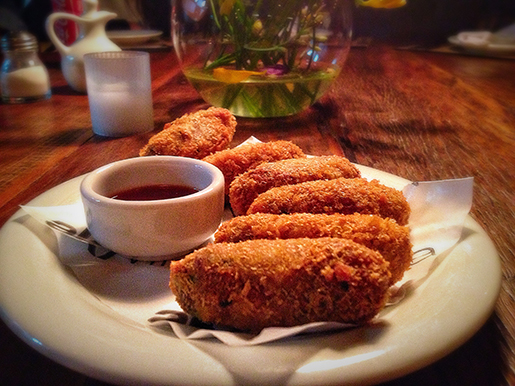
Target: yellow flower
[[382, 3], [226, 6], [257, 27], [233, 76]]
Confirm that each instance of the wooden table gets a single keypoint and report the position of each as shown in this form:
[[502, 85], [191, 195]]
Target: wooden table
[[422, 116]]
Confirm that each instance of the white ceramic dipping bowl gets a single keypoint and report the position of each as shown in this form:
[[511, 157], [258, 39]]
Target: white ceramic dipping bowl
[[153, 229]]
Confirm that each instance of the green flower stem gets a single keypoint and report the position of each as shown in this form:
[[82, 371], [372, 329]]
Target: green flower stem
[[289, 98], [274, 43], [215, 16], [231, 94], [267, 100], [312, 95], [250, 105]]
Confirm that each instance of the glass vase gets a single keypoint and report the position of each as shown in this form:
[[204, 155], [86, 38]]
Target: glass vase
[[262, 58]]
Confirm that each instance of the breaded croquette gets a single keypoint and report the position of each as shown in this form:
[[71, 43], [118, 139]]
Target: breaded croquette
[[385, 236], [247, 186], [194, 135], [235, 161], [263, 283], [341, 195]]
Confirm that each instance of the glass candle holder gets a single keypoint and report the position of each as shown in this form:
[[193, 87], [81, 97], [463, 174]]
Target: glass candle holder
[[119, 92]]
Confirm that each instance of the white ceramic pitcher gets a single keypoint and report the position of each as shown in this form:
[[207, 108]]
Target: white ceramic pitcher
[[92, 38]]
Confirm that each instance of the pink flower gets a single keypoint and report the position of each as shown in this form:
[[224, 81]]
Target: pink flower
[[277, 69]]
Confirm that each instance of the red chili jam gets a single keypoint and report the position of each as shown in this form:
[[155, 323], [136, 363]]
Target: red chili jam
[[154, 192]]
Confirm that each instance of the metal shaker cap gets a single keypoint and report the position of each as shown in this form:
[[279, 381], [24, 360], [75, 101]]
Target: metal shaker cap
[[19, 41]]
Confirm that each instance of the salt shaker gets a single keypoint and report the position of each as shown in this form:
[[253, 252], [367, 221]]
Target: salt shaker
[[23, 77]]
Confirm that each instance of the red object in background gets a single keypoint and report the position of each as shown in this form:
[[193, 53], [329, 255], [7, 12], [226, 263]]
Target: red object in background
[[67, 30]]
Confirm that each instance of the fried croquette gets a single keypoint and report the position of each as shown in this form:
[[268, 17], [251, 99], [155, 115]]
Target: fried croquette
[[341, 195], [247, 186], [194, 135], [263, 283], [235, 161], [385, 236]]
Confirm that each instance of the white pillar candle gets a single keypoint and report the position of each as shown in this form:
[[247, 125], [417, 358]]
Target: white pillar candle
[[118, 111], [119, 92]]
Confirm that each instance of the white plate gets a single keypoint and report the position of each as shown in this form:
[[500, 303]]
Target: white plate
[[491, 48], [132, 37], [44, 303]]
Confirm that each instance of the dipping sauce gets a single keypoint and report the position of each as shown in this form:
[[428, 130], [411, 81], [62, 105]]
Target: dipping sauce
[[154, 192]]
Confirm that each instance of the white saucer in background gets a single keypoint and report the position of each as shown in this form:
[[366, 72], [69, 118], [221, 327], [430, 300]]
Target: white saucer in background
[[485, 42], [132, 37]]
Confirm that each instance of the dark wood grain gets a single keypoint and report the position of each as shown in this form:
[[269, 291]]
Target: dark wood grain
[[422, 116]]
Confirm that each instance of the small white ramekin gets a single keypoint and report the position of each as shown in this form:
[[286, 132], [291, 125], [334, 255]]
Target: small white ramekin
[[153, 229]]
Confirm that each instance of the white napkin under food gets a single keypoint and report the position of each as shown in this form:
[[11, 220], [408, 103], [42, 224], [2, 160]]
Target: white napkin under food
[[439, 209]]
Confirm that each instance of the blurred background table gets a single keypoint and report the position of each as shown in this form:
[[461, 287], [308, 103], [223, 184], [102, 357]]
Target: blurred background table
[[418, 115]]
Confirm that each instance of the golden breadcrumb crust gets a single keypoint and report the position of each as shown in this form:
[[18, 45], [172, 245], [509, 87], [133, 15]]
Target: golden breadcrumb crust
[[194, 135], [385, 236], [261, 283], [235, 161], [247, 186], [341, 195]]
